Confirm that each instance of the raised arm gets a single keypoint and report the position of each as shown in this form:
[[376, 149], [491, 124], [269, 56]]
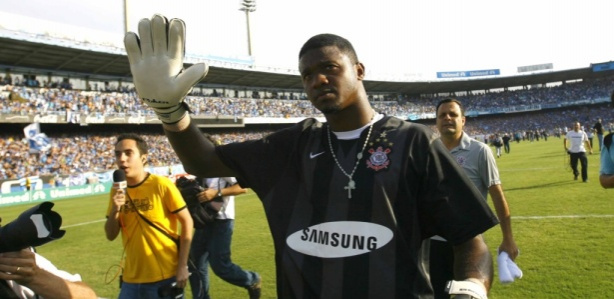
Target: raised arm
[[197, 153], [156, 57]]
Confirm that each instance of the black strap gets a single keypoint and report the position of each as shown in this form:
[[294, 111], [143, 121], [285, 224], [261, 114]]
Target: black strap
[[176, 241]]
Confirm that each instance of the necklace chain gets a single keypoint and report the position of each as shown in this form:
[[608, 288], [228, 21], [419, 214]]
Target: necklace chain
[[351, 184]]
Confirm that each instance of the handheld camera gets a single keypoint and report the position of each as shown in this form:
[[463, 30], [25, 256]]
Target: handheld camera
[[34, 227], [170, 290]]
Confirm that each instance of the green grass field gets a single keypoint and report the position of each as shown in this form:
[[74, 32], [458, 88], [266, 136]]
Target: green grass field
[[563, 228]]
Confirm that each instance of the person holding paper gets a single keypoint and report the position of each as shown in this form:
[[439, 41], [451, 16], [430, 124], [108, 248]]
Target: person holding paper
[[478, 162]]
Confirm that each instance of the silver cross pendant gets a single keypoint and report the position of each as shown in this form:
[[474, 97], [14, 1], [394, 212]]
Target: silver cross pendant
[[351, 185]]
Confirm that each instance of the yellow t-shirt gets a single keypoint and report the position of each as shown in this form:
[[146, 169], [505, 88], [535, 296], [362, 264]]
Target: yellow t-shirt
[[150, 255]]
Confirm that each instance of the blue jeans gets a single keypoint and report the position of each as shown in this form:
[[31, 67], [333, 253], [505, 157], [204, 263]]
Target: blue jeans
[[211, 245], [144, 290]]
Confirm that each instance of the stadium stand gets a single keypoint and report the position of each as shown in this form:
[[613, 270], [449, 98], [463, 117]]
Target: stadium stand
[[82, 107]]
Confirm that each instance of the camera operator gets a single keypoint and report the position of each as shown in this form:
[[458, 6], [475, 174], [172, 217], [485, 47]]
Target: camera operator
[[26, 274]]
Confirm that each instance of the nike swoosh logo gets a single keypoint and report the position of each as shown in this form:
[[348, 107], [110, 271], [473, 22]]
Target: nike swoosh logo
[[312, 155]]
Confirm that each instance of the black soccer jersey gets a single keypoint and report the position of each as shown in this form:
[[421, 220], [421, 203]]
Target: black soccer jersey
[[328, 245]]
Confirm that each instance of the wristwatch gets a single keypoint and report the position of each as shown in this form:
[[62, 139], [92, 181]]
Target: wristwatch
[[219, 193]]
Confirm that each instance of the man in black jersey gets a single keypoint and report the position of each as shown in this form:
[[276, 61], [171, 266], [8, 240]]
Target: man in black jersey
[[348, 201]]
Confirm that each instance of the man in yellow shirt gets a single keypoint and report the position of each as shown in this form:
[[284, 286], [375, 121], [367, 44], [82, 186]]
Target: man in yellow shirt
[[153, 261]]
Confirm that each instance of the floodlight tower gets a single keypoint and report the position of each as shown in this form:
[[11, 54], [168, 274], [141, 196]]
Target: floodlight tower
[[248, 6], [126, 28]]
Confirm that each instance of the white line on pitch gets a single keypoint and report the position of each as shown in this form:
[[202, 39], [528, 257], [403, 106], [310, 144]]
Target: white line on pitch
[[562, 216], [83, 223], [525, 169]]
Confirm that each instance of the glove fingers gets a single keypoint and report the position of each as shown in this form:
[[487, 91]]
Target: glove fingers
[[159, 35], [132, 46], [176, 39], [145, 35], [191, 76]]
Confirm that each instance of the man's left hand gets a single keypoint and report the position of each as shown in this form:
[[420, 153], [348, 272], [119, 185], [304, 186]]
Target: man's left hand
[[19, 266]]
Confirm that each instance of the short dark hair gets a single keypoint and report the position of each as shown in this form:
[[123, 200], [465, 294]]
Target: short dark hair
[[451, 100], [141, 144], [328, 39]]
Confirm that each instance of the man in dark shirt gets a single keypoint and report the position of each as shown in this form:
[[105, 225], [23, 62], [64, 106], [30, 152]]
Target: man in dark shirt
[[348, 201], [506, 142]]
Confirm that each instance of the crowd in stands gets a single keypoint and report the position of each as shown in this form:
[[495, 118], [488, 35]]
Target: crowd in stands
[[23, 99], [72, 153], [78, 153], [75, 153], [551, 121]]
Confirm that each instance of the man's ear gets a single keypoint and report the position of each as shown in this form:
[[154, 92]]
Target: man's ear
[[144, 159], [360, 70]]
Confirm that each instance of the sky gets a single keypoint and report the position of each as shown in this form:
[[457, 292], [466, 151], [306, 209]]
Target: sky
[[395, 39]]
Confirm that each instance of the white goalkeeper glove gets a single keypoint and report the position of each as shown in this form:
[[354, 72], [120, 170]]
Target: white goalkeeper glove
[[156, 63], [466, 289]]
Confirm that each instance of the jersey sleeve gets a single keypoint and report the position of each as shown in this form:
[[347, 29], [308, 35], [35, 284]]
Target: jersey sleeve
[[172, 196], [452, 205], [489, 171]]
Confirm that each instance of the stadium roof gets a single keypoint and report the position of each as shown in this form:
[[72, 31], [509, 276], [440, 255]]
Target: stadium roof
[[24, 56]]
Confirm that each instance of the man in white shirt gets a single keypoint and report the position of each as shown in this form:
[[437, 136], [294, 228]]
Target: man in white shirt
[[211, 244], [576, 150]]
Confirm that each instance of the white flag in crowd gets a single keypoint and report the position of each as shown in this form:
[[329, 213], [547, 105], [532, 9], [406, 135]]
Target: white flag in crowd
[[39, 142], [31, 130]]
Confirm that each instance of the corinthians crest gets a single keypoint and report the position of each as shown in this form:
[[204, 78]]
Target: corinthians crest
[[379, 151]]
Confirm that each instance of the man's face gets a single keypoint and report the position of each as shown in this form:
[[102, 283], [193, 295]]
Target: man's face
[[330, 78], [576, 126], [450, 121], [128, 158]]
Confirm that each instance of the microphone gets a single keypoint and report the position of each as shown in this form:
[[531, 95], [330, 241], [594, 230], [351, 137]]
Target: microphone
[[119, 179]]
